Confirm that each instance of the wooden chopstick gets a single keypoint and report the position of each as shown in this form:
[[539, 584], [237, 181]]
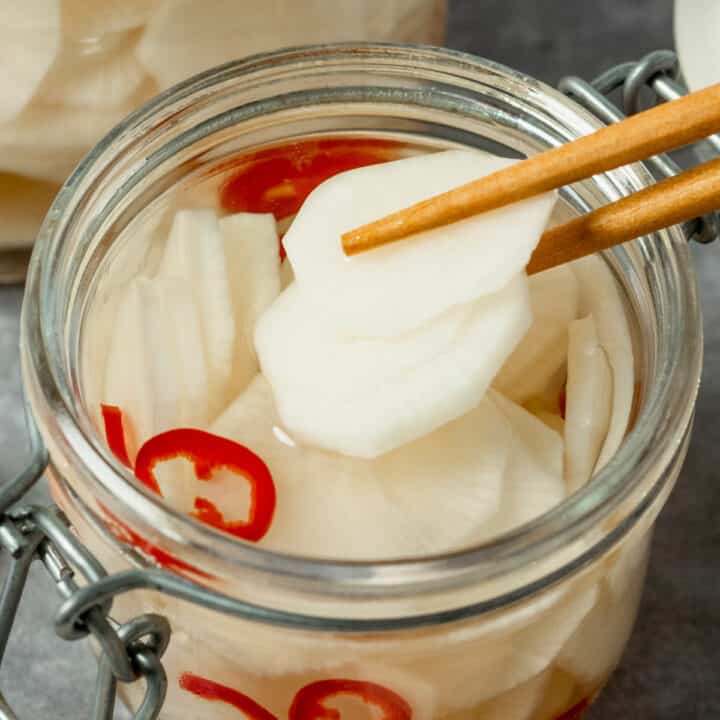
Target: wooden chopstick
[[662, 128], [683, 197]]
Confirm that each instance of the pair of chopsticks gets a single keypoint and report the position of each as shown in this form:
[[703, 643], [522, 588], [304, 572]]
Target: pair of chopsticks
[[677, 199]]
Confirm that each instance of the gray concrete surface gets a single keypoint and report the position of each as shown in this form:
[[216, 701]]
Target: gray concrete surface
[[671, 669]]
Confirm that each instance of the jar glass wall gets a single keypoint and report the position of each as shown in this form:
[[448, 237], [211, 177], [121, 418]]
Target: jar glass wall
[[526, 626]]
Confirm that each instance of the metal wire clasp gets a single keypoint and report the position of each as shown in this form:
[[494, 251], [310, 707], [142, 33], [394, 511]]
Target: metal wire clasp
[[127, 652], [656, 73]]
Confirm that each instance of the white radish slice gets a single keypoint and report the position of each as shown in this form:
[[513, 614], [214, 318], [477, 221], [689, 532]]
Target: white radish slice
[[129, 369], [398, 287], [368, 361], [629, 561], [469, 454], [588, 402], [193, 374], [543, 445], [453, 661], [98, 80], [86, 21], [554, 297], [100, 327], [251, 248], [155, 368], [195, 254], [365, 398], [23, 204], [516, 704], [427, 496], [697, 23], [600, 297], [177, 484], [595, 648], [533, 480], [180, 487], [29, 41], [477, 672], [531, 489]]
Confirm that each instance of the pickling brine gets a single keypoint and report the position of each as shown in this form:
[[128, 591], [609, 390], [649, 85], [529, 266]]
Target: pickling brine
[[411, 401]]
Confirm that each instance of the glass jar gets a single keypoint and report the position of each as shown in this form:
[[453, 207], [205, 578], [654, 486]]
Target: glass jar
[[526, 627], [73, 69]]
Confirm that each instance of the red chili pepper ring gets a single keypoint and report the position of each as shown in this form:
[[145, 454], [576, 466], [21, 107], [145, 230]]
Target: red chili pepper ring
[[308, 703], [207, 453], [115, 433], [215, 692]]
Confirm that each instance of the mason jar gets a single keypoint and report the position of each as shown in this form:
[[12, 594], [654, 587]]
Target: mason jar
[[72, 69], [528, 626]]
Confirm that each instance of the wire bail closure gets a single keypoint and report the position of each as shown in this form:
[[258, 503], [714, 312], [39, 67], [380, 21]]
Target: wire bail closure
[[134, 650], [658, 74]]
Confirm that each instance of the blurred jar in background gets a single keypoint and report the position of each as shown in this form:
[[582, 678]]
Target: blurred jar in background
[[71, 69]]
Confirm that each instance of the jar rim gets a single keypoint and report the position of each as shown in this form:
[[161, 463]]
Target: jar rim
[[665, 415]]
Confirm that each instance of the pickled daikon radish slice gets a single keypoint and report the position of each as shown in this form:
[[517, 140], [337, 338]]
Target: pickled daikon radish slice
[[533, 482], [250, 243], [588, 404], [483, 669], [516, 704], [156, 371], [427, 496], [554, 298], [195, 254], [366, 397], [176, 332], [605, 631], [601, 298], [398, 287]]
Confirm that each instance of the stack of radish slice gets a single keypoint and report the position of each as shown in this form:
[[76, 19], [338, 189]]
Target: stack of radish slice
[[415, 399], [179, 349], [412, 333]]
